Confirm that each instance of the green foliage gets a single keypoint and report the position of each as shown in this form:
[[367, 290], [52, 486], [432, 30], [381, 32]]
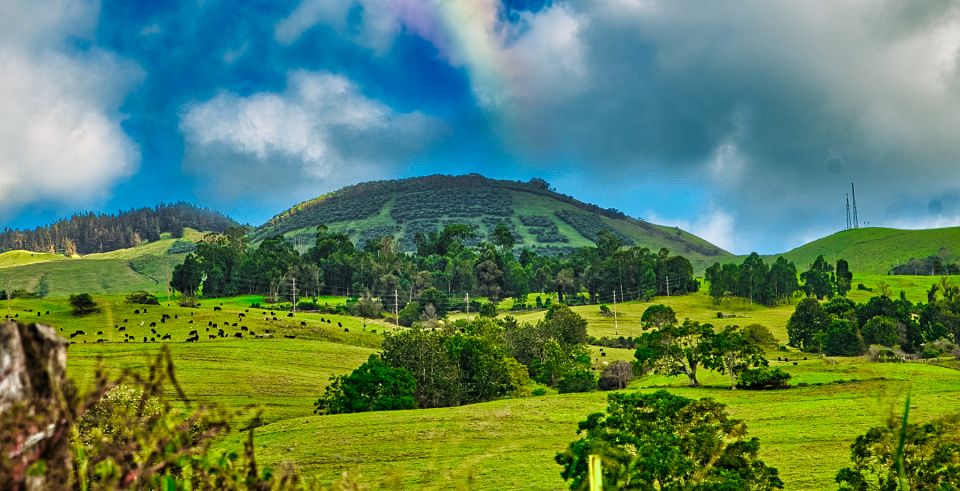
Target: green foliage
[[181, 246], [83, 304], [374, 386], [759, 335], [579, 380], [808, 319], [676, 350], [591, 226], [657, 316], [763, 378], [142, 298], [817, 280], [732, 352], [661, 441], [616, 375], [884, 331], [753, 280], [840, 338], [900, 457]]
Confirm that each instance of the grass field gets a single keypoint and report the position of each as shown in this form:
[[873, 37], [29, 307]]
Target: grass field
[[805, 431]]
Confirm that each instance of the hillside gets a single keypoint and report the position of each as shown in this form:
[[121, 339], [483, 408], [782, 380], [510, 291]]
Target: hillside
[[876, 250], [539, 217], [144, 267]]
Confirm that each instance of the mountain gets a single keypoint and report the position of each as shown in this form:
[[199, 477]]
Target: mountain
[[539, 217], [88, 233], [876, 250]]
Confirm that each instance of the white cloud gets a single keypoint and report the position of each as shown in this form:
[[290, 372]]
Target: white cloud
[[60, 136], [713, 224], [318, 133]]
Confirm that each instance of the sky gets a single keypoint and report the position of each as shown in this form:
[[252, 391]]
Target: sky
[[742, 121]]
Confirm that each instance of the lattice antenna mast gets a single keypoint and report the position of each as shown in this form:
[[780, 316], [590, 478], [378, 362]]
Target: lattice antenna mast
[[853, 194], [848, 212]]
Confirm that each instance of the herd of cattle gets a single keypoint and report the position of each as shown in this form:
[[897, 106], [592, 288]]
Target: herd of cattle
[[213, 330]]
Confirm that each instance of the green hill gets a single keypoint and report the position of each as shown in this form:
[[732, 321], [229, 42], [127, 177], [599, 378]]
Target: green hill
[[539, 217], [144, 267], [876, 250]]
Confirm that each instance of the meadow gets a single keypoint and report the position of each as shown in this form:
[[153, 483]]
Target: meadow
[[805, 431]]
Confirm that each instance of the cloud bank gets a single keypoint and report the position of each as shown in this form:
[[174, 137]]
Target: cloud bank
[[61, 139], [321, 132]]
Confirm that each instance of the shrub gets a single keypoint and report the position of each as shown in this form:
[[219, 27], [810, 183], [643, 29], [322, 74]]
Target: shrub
[[616, 375], [580, 380], [883, 354], [938, 348], [182, 247], [189, 302], [605, 310], [657, 316], [539, 391], [763, 378], [488, 309], [759, 335], [374, 386], [83, 304], [142, 298]]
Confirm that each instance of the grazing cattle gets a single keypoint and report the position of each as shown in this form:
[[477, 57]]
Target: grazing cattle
[[288, 336], [603, 354], [144, 310], [76, 333], [220, 332], [190, 340], [241, 315], [122, 329], [153, 324], [101, 340], [303, 323], [290, 314], [164, 337], [48, 313], [253, 333], [207, 330], [136, 312], [217, 309], [211, 336], [373, 331], [192, 333], [210, 323], [346, 330], [163, 320], [238, 335], [339, 324], [268, 331], [175, 316], [190, 321], [144, 339], [165, 316], [125, 321], [214, 325], [38, 314], [234, 324], [243, 328]]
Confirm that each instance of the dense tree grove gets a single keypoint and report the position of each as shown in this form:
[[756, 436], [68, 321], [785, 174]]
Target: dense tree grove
[[756, 282], [467, 362], [931, 266], [442, 273], [89, 232], [661, 441], [841, 327]]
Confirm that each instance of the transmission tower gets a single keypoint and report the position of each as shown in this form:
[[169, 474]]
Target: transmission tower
[[848, 212], [853, 194]]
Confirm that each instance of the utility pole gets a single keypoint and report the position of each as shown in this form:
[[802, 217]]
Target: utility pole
[[468, 304], [616, 325], [294, 294], [396, 306], [668, 284]]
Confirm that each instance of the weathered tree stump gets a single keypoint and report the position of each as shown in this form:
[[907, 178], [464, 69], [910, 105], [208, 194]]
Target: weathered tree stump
[[34, 396]]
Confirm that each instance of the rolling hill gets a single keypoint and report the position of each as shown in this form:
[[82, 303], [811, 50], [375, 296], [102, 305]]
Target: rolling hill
[[876, 250], [539, 217], [144, 267]]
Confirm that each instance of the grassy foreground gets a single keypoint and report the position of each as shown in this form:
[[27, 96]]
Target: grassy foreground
[[805, 431]]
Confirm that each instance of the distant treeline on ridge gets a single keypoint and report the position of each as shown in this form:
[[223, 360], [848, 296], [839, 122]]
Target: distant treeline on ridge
[[90, 232]]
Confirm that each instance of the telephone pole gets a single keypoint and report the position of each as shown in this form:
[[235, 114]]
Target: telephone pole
[[668, 284], [468, 304], [294, 294], [616, 325], [396, 306]]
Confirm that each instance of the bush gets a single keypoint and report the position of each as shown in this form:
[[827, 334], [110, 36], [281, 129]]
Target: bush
[[616, 375], [83, 304], [189, 302], [605, 310], [182, 247], [759, 335], [581, 380], [142, 298], [488, 310], [883, 354], [539, 391], [374, 386], [763, 378], [938, 348], [409, 314]]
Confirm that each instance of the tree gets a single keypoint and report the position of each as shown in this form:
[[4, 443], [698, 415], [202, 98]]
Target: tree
[[808, 319], [373, 386], [840, 338], [884, 331], [661, 441], [675, 350], [900, 457], [657, 316], [83, 304], [732, 352], [503, 237], [816, 280], [565, 325], [843, 277]]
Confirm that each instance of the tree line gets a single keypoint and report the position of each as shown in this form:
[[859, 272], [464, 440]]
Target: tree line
[[757, 282], [439, 276], [840, 327], [87, 233]]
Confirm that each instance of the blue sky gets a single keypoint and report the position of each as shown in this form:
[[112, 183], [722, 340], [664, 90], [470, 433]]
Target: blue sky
[[741, 121]]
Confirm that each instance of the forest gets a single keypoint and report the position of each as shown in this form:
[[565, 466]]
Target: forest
[[87, 233]]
